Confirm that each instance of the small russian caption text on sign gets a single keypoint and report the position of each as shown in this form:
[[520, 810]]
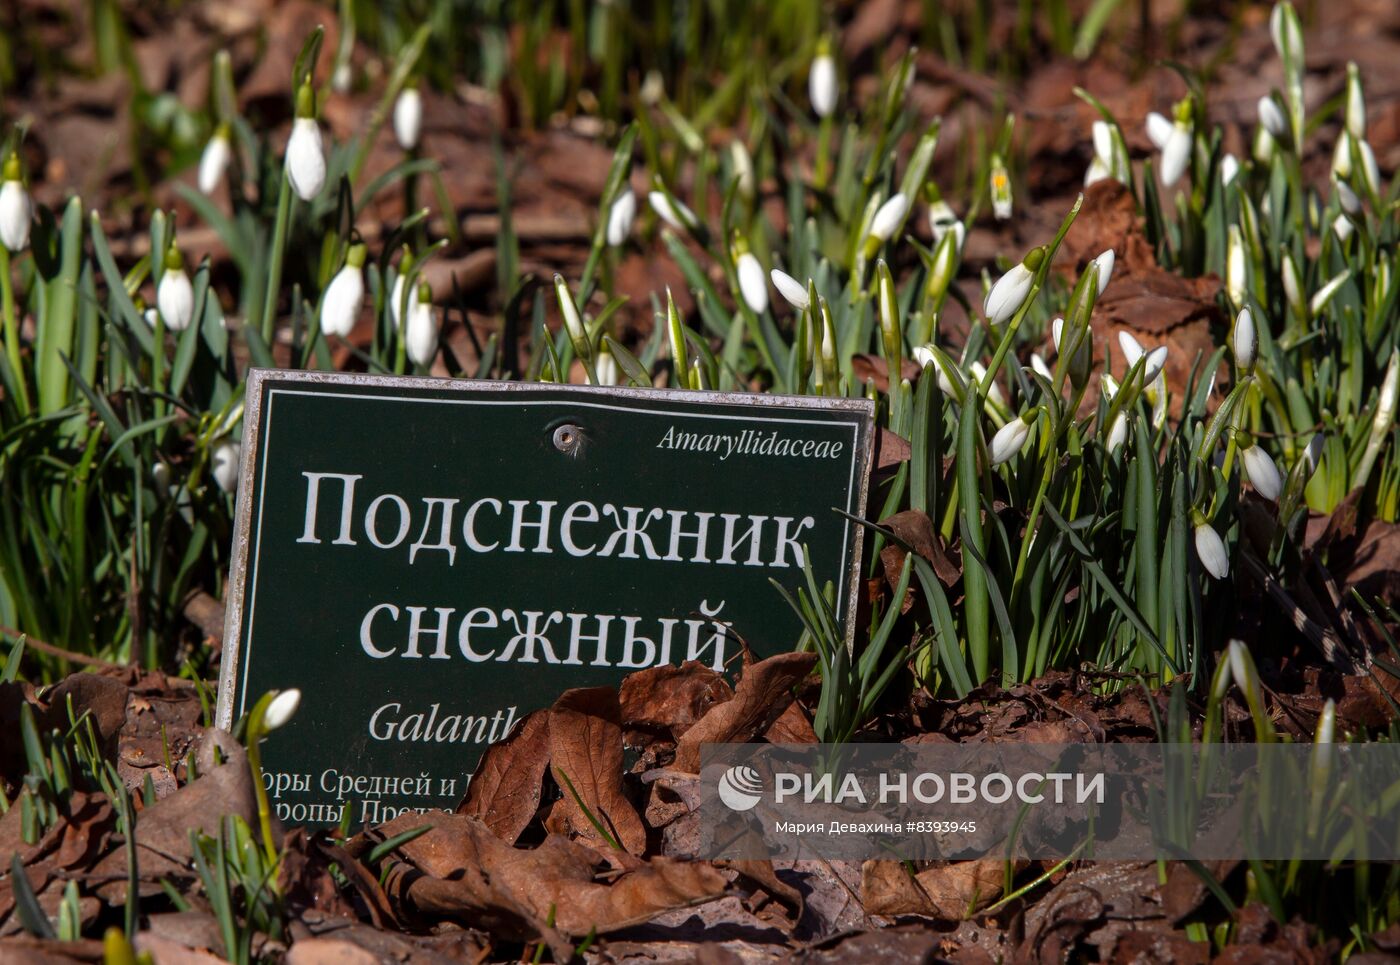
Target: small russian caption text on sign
[[429, 560]]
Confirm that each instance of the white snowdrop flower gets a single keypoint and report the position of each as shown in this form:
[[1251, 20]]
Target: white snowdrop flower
[[1041, 368], [1117, 432], [342, 77], [671, 210], [1262, 472], [1096, 172], [151, 316], [1342, 227], [1102, 136], [1057, 328], [223, 465], [1211, 549], [941, 219], [752, 284], [1369, 169], [161, 477], [889, 217], [16, 208], [1105, 263], [1273, 119], [1242, 669], [1350, 203], [743, 167], [821, 84], [1176, 154], [573, 321], [1356, 103], [1132, 348], [1159, 130], [1010, 438], [606, 366], [1292, 285], [1153, 365], [994, 393], [1244, 341], [214, 161], [1341, 157], [396, 298], [175, 296], [945, 261], [1229, 169], [282, 708], [923, 355], [792, 290], [1109, 385], [344, 295], [408, 118], [1390, 388], [1326, 723], [1000, 189], [1287, 34], [421, 330], [1009, 293], [306, 159], [1236, 267], [620, 217], [1325, 293]]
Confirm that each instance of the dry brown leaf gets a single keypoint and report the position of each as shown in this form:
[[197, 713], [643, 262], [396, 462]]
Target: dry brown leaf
[[670, 698], [763, 694], [585, 749], [791, 727], [505, 790], [951, 891]]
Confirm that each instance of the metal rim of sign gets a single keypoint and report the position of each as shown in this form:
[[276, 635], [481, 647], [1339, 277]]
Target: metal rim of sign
[[252, 431]]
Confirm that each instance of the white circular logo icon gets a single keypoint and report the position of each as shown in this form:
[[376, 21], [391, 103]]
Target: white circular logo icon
[[740, 788]]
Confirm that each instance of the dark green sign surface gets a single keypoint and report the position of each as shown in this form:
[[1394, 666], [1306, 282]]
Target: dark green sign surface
[[428, 560]]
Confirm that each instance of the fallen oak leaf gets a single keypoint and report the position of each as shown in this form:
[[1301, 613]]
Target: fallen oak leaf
[[505, 790], [585, 756], [670, 698], [951, 891], [764, 692]]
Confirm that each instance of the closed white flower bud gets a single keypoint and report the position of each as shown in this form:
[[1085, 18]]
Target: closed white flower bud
[[1117, 432], [941, 219], [175, 296], [396, 300], [752, 284], [1350, 203], [1369, 169], [1390, 387], [1176, 154], [214, 161], [1273, 119], [1356, 103], [1159, 130], [606, 366], [1287, 34], [421, 332], [1057, 329], [1292, 285], [1324, 294], [1244, 341], [342, 77], [1152, 367], [1010, 438], [1229, 169], [1009, 293], [1312, 455], [282, 708], [994, 393], [344, 295], [1102, 137], [1236, 267], [1039, 366], [620, 217], [821, 85], [573, 321], [1105, 263], [306, 160], [923, 355], [792, 290], [1262, 472], [223, 465], [1342, 227], [16, 208], [673, 212], [1096, 172], [408, 117], [1326, 723], [1341, 157], [1132, 348], [1211, 550], [890, 216]]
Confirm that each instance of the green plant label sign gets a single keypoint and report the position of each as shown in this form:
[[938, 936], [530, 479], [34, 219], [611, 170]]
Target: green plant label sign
[[429, 560]]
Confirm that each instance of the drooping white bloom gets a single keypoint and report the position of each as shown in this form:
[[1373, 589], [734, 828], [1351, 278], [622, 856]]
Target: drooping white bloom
[[1057, 328], [1096, 172], [1236, 266], [1244, 341], [421, 331], [743, 167], [941, 219], [1350, 203], [606, 367], [620, 217], [792, 290], [1159, 130], [821, 85], [923, 355], [223, 465], [752, 284], [1177, 154], [1356, 103], [1000, 189], [1155, 362], [671, 210], [306, 159], [994, 393], [890, 216], [1041, 368], [1009, 439], [175, 296], [282, 708], [1211, 550], [1342, 227], [344, 295], [408, 117], [16, 208], [1242, 669], [1229, 169], [214, 161], [1105, 263], [1117, 432], [1273, 119], [1132, 348], [1262, 472], [1009, 293]]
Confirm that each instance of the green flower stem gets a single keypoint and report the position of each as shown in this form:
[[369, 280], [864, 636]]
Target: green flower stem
[[7, 292], [274, 268], [823, 164]]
